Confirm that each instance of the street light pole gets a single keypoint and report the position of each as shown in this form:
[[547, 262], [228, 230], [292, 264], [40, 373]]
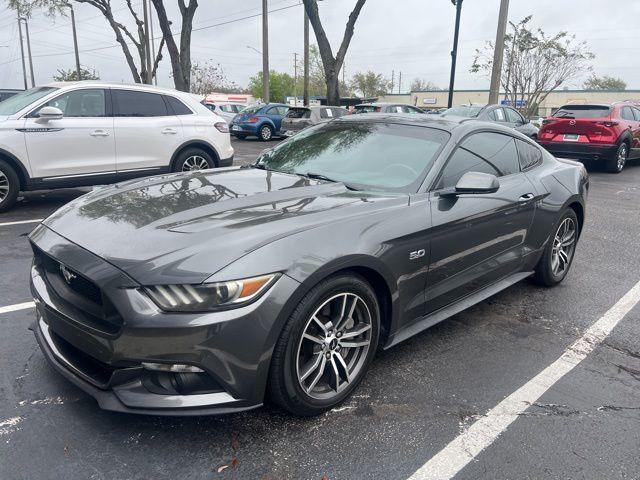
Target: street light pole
[[24, 68], [305, 89], [26, 31], [147, 45], [75, 43], [265, 51], [454, 52], [498, 52]]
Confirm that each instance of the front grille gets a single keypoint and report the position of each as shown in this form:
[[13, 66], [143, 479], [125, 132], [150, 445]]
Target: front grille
[[78, 297]]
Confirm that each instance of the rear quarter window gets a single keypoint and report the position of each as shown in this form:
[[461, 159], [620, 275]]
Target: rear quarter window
[[529, 155]]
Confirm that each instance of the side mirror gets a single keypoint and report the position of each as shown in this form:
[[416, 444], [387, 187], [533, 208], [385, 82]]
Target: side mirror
[[474, 182], [50, 113]]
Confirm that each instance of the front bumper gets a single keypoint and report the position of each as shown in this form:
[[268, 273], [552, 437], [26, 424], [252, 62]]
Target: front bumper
[[232, 347], [580, 151]]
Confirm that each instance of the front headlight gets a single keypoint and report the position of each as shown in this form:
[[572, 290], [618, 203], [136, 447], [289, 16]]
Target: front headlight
[[209, 296]]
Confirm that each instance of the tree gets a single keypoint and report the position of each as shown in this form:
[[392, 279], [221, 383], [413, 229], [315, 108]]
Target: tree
[[180, 58], [71, 75], [370, 84], [208, 78], [534, 63], [420, 84], [281, 85], [332, 64], [139, 71], [604, 83]]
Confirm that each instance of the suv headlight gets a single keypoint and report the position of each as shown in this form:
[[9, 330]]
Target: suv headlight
[[208, 297]]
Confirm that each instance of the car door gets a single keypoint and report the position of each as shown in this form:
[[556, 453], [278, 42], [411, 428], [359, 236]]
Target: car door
[[276, 114], [477, 239], [632, 114], [81, 143], [147, 133]]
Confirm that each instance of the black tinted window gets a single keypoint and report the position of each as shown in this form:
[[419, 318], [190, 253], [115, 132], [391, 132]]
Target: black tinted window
[[582, 111], [129, 103], [461, 162], [299, 113], [530, 155], [513, 116], [497, 149], [177, 106]]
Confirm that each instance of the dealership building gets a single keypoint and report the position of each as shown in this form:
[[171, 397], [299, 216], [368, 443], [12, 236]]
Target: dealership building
[[438, 98]]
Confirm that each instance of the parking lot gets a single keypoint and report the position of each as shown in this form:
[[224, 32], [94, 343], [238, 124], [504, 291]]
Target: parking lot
[[416, 399]]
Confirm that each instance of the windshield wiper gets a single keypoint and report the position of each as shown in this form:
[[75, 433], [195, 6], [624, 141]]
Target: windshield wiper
[[319, 176]]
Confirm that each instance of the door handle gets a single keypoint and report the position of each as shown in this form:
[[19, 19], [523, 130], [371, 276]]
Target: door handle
[[526, 197], [99, 133], [170, 131]]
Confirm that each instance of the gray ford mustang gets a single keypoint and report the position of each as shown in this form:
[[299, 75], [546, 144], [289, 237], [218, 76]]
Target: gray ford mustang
[[209, 291]]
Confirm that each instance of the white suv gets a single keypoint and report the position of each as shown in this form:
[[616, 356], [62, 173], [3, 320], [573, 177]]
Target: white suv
[[90, 133]]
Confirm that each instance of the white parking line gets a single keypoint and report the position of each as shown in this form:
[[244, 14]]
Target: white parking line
[[473, 440], [17, 306], [20, 222]]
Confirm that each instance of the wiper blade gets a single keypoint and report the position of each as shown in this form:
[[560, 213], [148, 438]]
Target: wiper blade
[[319, 176]]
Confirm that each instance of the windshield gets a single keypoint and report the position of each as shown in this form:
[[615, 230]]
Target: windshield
[[463, 111], [363, 155], [581, 111], [23, 99], [365, 108]]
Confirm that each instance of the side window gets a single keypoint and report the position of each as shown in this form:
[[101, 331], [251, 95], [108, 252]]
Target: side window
[[177, 106], [636, 113], [492, 115], [326, 113], [80, 103], [499, 114], [626, 113], [211, 107], [530, 155], [461, 162], [339, 112], [283, 110], [513, 116], [273, 111], [497, 149], [129, 103]]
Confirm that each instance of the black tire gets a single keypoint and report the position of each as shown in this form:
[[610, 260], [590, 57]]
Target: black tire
[[544, 273], [616, 163], [284, 386], [191, 156], [265, 133], [240, 136], [9, 186]]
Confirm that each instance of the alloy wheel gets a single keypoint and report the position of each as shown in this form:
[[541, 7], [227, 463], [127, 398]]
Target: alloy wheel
[[4, 186], [195, 162], [563, 247], [622, 157], [265, 133], [333, 348]]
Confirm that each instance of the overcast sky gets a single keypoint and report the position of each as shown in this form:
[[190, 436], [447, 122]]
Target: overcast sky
[[409, 36]]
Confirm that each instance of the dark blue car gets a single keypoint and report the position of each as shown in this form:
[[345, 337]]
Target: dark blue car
[[262, 121]]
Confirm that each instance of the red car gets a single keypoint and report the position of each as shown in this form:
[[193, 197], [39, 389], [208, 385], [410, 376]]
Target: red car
[[600, 133]]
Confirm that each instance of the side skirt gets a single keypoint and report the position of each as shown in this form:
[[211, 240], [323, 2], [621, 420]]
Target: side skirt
[[450, 310]]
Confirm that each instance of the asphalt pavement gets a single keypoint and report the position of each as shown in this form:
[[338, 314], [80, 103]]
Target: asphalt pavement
[[416, 399]]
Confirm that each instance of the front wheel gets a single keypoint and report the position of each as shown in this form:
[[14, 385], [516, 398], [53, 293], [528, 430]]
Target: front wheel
[[557, 257], [326, 346], [616, 164]]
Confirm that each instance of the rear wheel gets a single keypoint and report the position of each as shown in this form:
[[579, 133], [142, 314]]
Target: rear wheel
[[557, 257], [265, 133], [193, 159], [616, 163], [9, 186], [326, 346]]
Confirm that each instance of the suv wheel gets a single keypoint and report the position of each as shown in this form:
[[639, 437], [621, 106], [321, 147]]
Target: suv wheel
[[265, 133], [326, 346], [193, 159], [617, 163], [9, 186]]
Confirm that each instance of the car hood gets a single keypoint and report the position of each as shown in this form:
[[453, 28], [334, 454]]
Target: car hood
[[182, 228]]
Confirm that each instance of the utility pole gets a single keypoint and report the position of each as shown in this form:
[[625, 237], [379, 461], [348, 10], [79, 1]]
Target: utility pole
[[26, 31], [265, 51], [498, 52], [400, 81], [295, 79], [454, 52], [393, 75], [147, 50], [75, 43], [24, 68], [153, 44], [305, 90]]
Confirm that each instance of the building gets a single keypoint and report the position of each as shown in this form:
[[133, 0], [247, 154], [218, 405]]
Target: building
[[439, 98]]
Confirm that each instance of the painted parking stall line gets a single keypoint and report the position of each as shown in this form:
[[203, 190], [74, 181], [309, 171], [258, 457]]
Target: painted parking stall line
[[467, 446], [20, 222], [16, 307]]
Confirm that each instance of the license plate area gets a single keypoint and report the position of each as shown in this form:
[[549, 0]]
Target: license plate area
[[571, 137]]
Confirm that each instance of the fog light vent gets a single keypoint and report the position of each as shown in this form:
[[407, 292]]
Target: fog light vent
[[171, 367]]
